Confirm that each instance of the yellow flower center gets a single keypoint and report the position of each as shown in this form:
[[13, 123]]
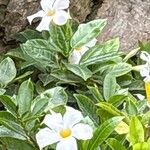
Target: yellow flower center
[[65, 133], [51, 12], [78, 48], [147, 88]]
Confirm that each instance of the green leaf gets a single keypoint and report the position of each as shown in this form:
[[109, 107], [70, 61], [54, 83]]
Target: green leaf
[[38, 51], [16, 144], [25, 96], [87, 106], [121, 69], [109, 86], [60, 38], [118, 99], [2, 91], [140, 146], [28, 34], [101, 53], [131, 107], [55, 97], [136, 131], [7, 71], [39, 106], [8, 103], [5, 132], [115, 144], [109, 108], [96, 93], [12, 126], [86, 32], [80, 71], [103, 132], [7, 115]]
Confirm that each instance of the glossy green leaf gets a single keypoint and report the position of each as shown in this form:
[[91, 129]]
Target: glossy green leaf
[[25, 96], [5, 132], [87, 107], [7, 71], [86, 32], [121, 69], [16, 144], [80, 71], [60, 38], [101, 53], [96, 93], [38, 51], [109, 86], [136, 131], [109, 108], [8, 103], [115, 144], [103, 132], [55, 97]]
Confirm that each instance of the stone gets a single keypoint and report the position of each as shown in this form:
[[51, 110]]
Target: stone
[[127, 19]]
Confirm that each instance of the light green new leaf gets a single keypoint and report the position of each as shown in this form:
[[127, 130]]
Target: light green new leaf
[[121, 69], [103, 52], [103, 132], [115, 144], [80, 71], [87, 106], [86, 32], [140, 146], [25, 96], [109, 86], [136, 131], [7, 71]]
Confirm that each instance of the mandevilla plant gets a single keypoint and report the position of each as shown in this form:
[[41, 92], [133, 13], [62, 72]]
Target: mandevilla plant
[[84, 95]]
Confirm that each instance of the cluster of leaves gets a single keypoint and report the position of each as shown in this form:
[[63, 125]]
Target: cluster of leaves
[[102, 86]]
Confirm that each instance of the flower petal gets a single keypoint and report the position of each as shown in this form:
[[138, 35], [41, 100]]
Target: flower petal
[[71, 117], [47, 4], [67, 144], [61, 17], [75, 57], [145, 56], [82, 131], [44, 24], [83, 50], [145, 70], [40, 13], [91, 43], [54, 121], [61, 4], [46, 137]]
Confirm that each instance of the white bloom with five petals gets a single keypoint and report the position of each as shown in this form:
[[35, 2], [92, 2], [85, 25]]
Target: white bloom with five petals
[[145, 69], [52, 10], [79, 51], [64, 130]]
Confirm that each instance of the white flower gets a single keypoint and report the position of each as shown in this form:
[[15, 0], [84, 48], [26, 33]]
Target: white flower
[[145, 69], [64, 130], [52, 10], [140, 96], [79, 51]]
